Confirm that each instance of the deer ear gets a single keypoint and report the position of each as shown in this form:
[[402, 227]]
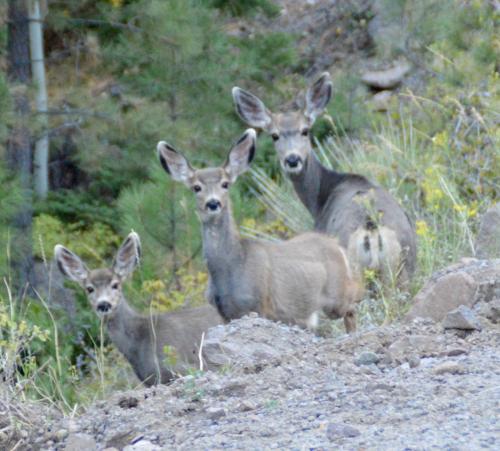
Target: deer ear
[[174, 162], [318, 95], [241, 155], [128, 256], [251, 109], [70, 264]]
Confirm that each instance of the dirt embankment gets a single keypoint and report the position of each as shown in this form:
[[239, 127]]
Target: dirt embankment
[[409, 386]]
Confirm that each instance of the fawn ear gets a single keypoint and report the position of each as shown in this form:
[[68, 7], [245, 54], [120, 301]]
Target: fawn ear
[[241, 155], [174, 162], [70, 264], [251, 109], [318, 95], [128, 256]]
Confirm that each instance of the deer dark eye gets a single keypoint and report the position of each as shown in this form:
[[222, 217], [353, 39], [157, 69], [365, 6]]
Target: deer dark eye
[[225, 185], [305, 132], [275, 136], [115, 286], [196, 188], [90, 289]]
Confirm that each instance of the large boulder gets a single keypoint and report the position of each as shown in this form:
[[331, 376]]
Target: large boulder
[[487, 243], [465, 283]]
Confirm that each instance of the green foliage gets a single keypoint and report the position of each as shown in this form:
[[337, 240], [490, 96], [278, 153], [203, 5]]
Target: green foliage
[[92, 244], [246, 7]]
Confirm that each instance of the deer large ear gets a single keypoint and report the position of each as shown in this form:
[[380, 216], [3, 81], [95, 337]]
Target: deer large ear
[[174, 162], [318, 95], [241, 155], [251, 109], [70, 264], [128, 256]]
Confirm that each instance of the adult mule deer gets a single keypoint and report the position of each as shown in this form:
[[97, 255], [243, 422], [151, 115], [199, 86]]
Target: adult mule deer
[[141, 339], [290, 281], [366, 219]]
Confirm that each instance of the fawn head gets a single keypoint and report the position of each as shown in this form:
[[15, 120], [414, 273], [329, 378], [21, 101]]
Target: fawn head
[[210, 185], [290, 129], [103, 286]]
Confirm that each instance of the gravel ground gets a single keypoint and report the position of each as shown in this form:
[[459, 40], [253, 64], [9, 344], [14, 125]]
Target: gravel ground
[[403, 387]]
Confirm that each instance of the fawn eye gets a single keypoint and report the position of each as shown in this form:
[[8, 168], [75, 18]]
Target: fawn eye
[[275, 136], [225, 185], [196, 188], [305, 132], [90, 289], [115, 286]]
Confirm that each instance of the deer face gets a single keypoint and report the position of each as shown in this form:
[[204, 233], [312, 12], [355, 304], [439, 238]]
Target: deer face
[[104, 291], [102, 286], [290, 129], [210, 185]]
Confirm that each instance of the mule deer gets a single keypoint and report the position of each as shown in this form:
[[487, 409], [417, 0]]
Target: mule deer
[[366, 219], [141, 339], [289, 281]]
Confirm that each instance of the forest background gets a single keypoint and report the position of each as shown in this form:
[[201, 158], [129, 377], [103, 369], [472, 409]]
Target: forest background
[[124, 74]]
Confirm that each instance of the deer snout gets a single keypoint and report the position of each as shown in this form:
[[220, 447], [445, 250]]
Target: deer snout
[[213, 205], [293, 161], [103, 307]]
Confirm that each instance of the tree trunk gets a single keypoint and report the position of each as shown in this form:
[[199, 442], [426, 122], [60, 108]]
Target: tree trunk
[[41, 155], [19, 146]]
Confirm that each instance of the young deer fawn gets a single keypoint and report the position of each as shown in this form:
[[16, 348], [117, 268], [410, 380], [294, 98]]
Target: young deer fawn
[[366, 219], [289, 281], [141, 339]]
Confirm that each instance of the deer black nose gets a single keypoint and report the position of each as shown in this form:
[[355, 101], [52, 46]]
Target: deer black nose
[[103, 307], [213, 205], [292, 161]]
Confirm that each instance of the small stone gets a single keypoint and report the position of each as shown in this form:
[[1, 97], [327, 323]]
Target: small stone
[[367, 358], [456, 351], [61, 434], [381, 101], [449, 367], [215, 413], [413, 361], [246, 406], [79, 442], [462, 318], [338, 430]]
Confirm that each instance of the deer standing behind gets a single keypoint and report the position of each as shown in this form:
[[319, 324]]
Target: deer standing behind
[[290, 281], [141, 339], [366, 219]]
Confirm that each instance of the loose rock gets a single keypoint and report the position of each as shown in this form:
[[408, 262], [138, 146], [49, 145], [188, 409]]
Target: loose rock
[[338, 430], [386, 79], [79, 442], [461, 318], [443, 294], [449, 367], [215, 413], [367, 358]]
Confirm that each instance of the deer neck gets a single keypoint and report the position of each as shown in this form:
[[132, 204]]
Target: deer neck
[[221, 241], [315, 184], [128, 330]]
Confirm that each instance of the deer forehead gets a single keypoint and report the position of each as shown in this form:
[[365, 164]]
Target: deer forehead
[[101, 277], [291, 121], [210, 176]]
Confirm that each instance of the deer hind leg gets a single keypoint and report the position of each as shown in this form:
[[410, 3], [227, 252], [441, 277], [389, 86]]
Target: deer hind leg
[[350, 321]]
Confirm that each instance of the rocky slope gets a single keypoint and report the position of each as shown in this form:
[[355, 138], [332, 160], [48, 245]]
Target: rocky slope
[[413, 386]]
